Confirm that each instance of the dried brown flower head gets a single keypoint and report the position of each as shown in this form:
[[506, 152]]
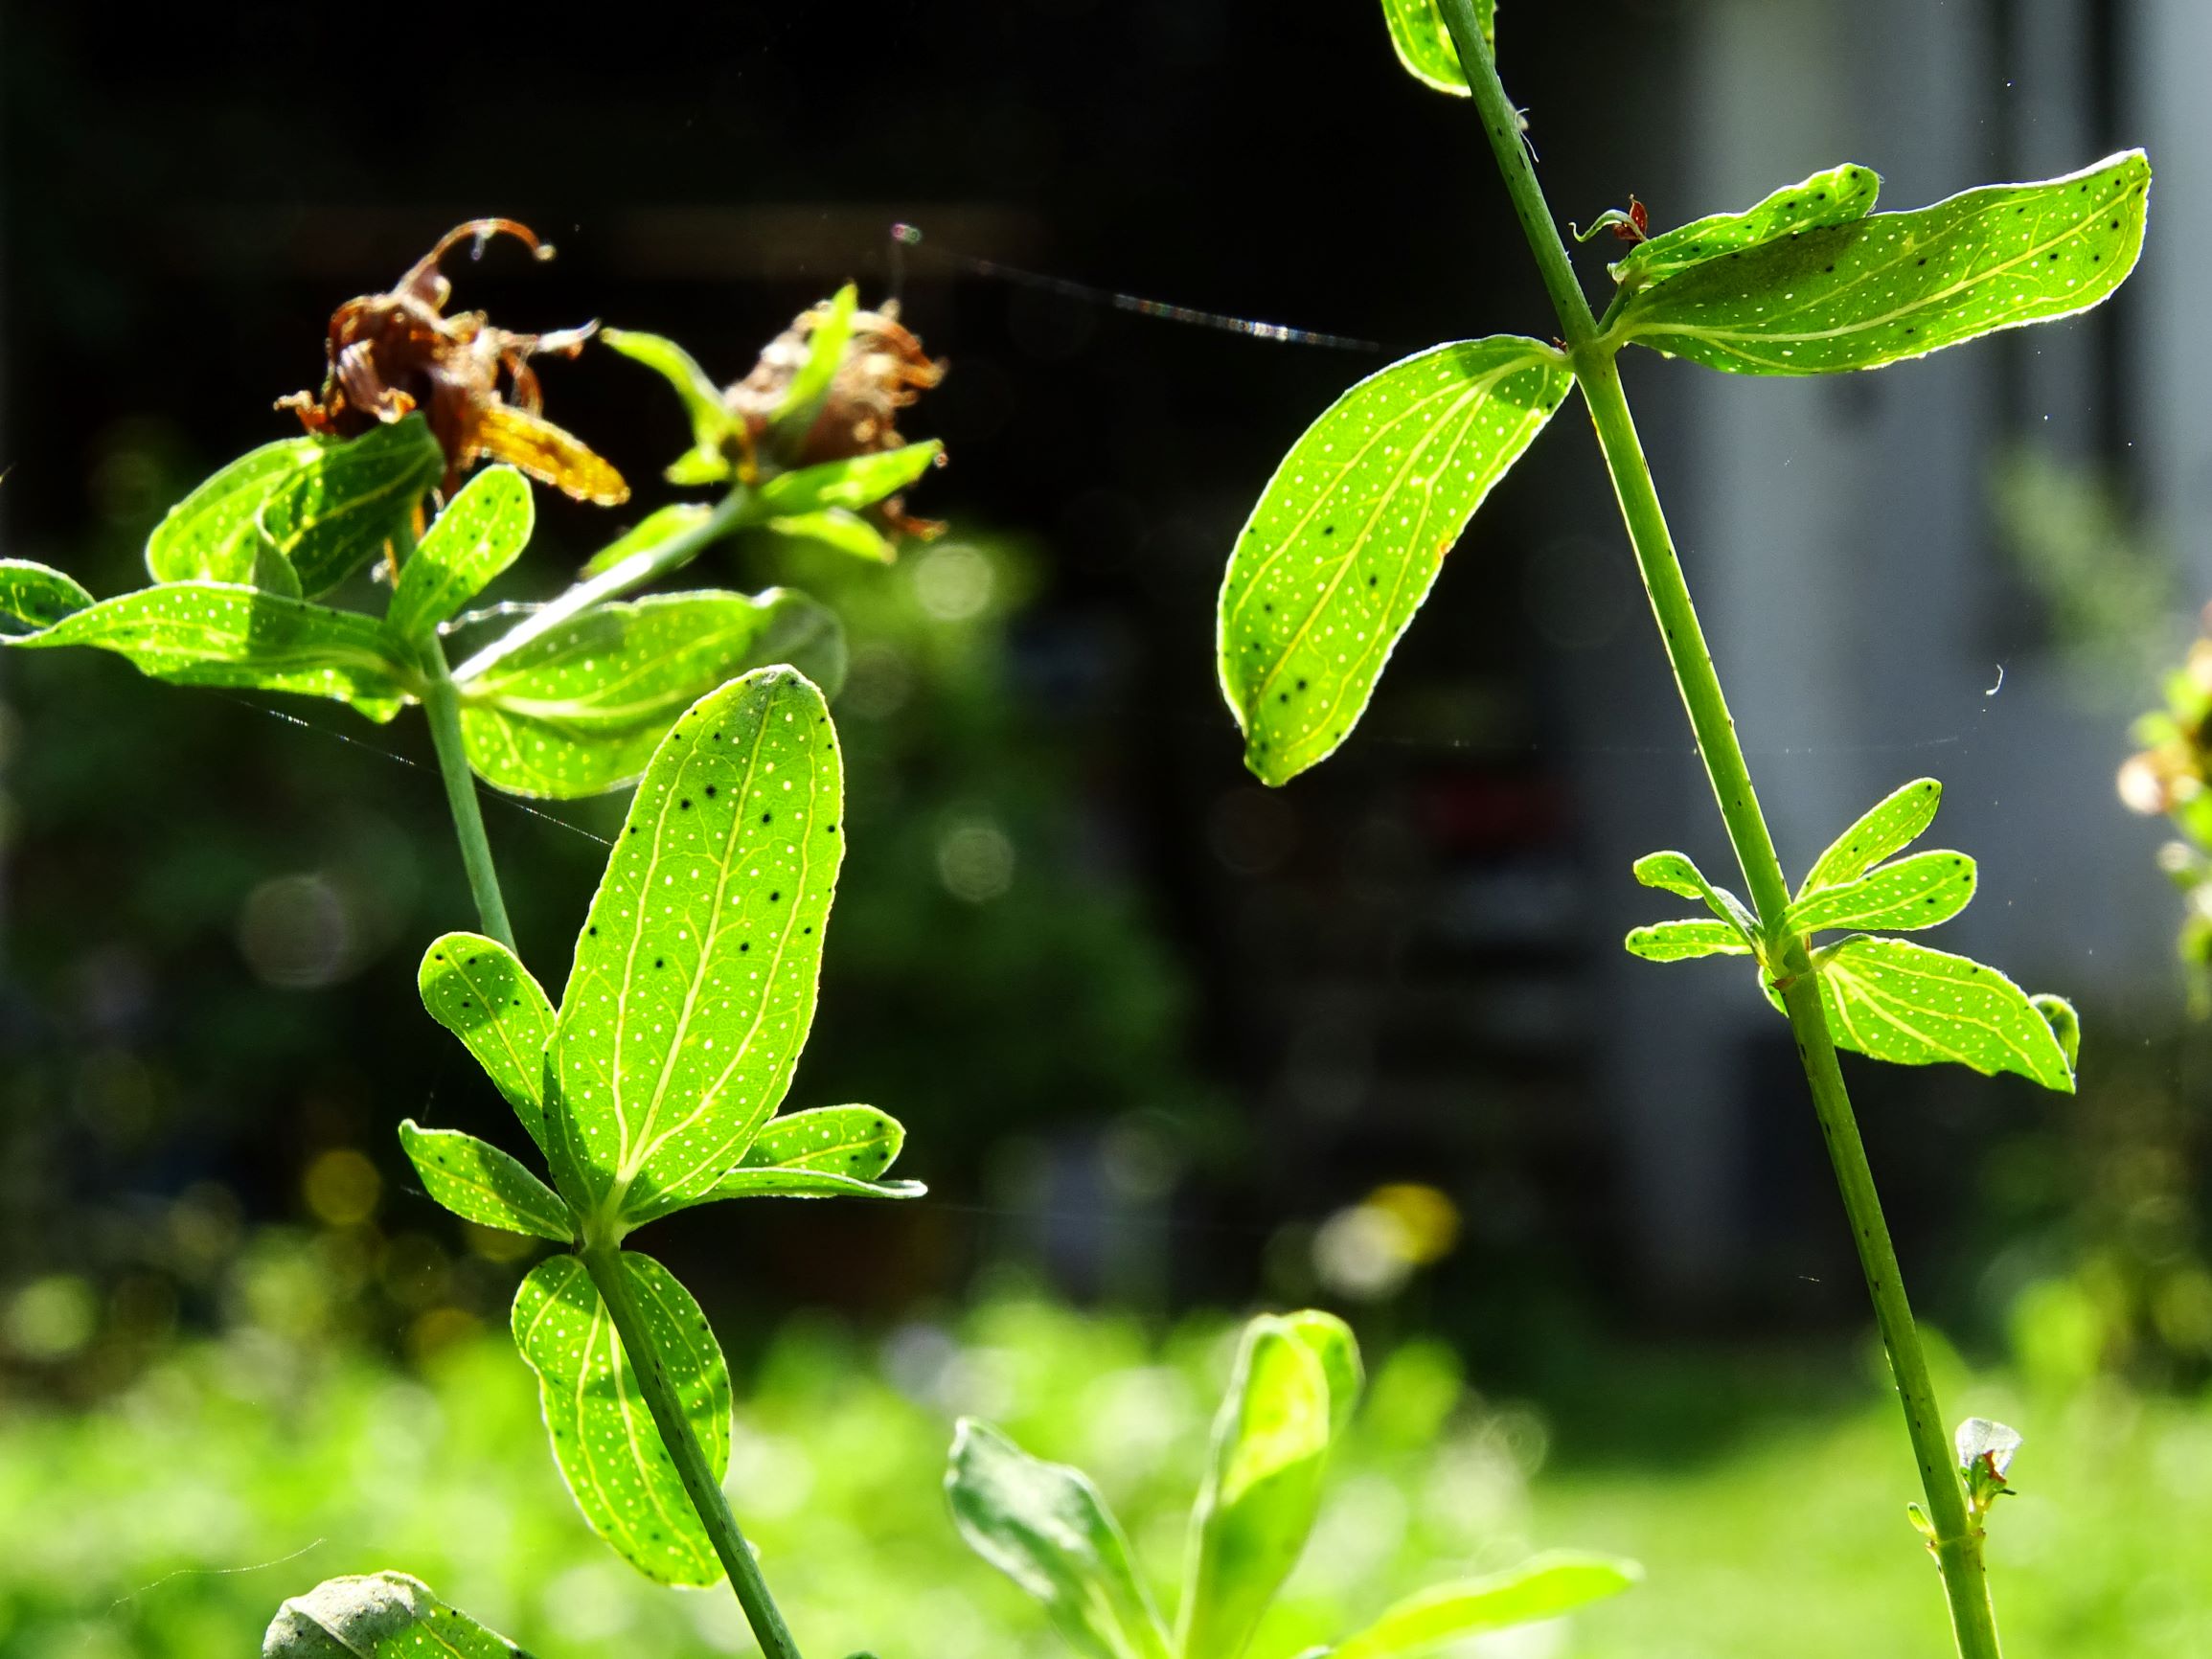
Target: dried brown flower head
[[392, 353], [884, 370]]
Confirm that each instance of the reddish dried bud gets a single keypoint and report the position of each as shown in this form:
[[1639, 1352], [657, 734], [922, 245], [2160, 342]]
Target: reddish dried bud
[[392, 353]]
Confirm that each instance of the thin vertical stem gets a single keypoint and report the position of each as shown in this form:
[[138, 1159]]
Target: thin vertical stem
[[442, 702], [751, 1588], [1958, 1539]]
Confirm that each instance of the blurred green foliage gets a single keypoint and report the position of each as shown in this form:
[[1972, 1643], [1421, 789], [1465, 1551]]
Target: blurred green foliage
[[170, 1518]]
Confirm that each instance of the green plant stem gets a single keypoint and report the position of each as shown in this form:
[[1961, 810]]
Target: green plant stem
[[605, 1265], [733, 513], [442, 702], [1958, 1540]]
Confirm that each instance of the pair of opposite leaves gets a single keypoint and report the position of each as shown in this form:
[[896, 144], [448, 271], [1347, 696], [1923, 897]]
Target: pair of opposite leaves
[[1290, 1399], [651, 1087]]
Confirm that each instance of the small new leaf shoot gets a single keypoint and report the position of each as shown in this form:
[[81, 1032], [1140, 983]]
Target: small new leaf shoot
[[2065, 1023], [826, 344], [1674, 872], [1682, 941], [1890, 826], [1891, 286], [1985, 1452], [482, 532], [1920, 891], [712, 424], [480, 1183], [1349, 535]]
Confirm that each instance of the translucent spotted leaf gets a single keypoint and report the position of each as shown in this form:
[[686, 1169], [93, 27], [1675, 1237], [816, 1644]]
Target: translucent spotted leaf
[[829, 1152], [35, 596], [1892, 1000], [650, 533], [1834, 197], [1350, 533], [340, 508], [1916, 892], [379, 1616], [2066, 1025], [479, 535], [1681, 940], [1891, 825], [836, 528], [695, 978], [1423, 43], [1045, 1527], [1890, 286], [702, 400], [859, 482], [1674, 872], [1549, 1586], [214, 534], [603, 1437], [579, 710], [477, 989], [1262, 1487], [480, 1183], [196, 633]]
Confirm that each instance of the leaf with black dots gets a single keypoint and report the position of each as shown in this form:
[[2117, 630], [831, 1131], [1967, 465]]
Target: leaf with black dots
[[695, 978], [480, 1183], [1425, 46], [579, 710], [1891, 286], [1834, 197], [1889, 826], [479, 991], [1351, 531], [1893, 1000], [214, 533], [338, 510], [1917, 892], [604, 1440], [482, 532], [827, 1152], [379, 1616], [205, 633]]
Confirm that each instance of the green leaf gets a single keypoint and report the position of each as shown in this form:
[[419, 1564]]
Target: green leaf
[[859, 482], [826, 346], [1547, 1587], [480, 991], [350, 499], [1891, 286], [204, 633], [1333, 1345], [379, 1616], [655, 528], [35, 596], [1916, 892], [1424, 44], [695, 978], [603, 1437], [829, 1152], [480, 1183], [697, 467], [480, 533], [214, 534], [1892, 1000], [702, 400], [1045, 1527], [580, 709], [837, 528], [1261, 1492], [1674, 872], [1350, 532], [1681, 940], [2066, 1025], [1834, 197], [1891, 825]]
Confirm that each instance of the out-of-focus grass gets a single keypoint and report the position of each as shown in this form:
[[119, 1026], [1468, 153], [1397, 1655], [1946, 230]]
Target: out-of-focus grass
[[140, 1528]]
